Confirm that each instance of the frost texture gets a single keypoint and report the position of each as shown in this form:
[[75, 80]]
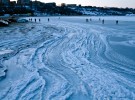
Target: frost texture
[[68, 59]]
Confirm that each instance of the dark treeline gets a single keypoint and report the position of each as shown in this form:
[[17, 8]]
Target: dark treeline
[[48, 10], [58, 10], [15, 10], [112, 10]]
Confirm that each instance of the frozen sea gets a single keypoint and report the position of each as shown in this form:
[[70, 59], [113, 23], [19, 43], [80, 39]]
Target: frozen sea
[[68, 58]]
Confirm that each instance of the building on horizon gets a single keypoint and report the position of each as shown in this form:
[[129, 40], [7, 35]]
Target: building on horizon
[[0, 1], [23, 2], [63, 4], [13, 3], [51, 4], [71, 5]]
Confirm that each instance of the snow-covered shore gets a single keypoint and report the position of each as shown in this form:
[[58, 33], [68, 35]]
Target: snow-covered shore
[[67, 59]]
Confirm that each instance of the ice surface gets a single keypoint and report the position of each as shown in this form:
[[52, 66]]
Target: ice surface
[[5, 51], [68, 59]]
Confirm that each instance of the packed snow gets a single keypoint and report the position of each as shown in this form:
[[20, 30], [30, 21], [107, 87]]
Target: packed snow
[[68, 58]]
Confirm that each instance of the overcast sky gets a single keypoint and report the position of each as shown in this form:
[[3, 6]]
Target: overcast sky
[[103, 3]]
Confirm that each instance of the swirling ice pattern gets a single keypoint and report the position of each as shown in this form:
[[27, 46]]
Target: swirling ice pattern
[[78, 62]]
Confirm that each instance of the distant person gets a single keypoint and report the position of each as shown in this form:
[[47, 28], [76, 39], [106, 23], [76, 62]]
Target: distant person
[[35, 19], [117, 22], [48, 19], [86, 20], [90, 19], [31, 19], [99, 19], [103, 21], [39, 20]]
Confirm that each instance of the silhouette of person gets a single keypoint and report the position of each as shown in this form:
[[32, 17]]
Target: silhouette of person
[[35, 19], [90, 19], [103, 21], [39, 20], [86, 20], [48, 19], [117, 21]]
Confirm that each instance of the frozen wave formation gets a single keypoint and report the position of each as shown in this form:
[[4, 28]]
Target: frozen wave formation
[[66, 61]]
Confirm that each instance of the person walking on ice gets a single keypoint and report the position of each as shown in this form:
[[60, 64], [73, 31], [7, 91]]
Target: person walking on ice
[[90, 19], [87, 20], [35, 19], [103, 21], [117, 22]]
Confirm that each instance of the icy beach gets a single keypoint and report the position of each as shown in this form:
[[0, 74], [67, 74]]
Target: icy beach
[[68, 58]]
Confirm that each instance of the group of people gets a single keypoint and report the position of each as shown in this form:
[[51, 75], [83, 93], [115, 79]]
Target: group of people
[[103, 21], [87, 20], [30, 19]]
